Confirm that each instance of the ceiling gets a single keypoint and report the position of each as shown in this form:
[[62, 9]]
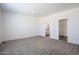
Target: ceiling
[[38, 9]]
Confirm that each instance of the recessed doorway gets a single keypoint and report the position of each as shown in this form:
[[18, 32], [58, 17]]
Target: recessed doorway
[[47, 30], [63, 30]]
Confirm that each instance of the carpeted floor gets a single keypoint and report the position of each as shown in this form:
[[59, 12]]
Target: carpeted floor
[[38, 46]]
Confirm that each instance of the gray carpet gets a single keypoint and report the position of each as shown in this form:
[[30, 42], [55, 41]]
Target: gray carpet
[[38, 46]]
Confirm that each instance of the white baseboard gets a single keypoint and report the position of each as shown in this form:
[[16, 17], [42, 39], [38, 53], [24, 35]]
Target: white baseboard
[[19, 38], [73, 42]]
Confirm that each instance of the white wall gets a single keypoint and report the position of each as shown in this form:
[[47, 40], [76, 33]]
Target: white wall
[[73, 22], [17, 26], [63, 27], [0, 27]]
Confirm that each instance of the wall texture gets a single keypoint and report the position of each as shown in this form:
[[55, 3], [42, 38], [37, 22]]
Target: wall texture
[[17, 26], [73, 22], [0, 27]]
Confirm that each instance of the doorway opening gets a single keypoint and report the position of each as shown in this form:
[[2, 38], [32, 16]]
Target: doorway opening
[[47, 30], [63, 30]]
